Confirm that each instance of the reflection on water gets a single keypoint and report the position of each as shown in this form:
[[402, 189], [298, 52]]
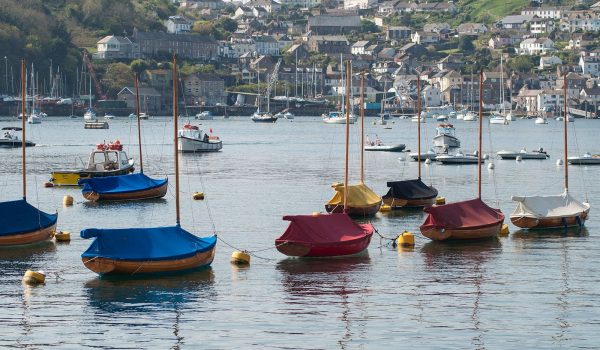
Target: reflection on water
[[440, 254], [24, 253], [551, 233]]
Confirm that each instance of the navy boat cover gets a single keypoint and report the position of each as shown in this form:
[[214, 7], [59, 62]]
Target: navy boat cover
[[120, 184], [18, 217], [156, 243], [410, 189]]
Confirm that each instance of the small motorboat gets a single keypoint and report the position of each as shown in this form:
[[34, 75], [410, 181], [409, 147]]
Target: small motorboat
[[192, 139], [286, 115], [498, 119], [132, 116], [205, 115], [10, 139], [415, 119], [109, 116], [377, 145], [338, 117], [445, 137], [586, 159], [144, 116], [442, 118], [458, 158], [470, 117], [541, 120], [95, 124], [524, 154], [424, 156]]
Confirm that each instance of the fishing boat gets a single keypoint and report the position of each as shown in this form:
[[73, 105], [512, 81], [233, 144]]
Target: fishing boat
[[524, 154], [356, 200], [411, 193], [553, 211], [107, 159], [586, 159], [192, 139], [154, 250], [378, 145], [205, 115], [125, 187], [327, 235], [445, 138], [10, 139], [465, 220], [21, 222]]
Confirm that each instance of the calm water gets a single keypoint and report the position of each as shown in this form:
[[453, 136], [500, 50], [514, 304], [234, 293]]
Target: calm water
[[526, 290]]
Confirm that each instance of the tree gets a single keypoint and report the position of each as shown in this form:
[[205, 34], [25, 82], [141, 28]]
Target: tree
[[465, 44], [521, 63], [203, 28], [139, 66], [367, 26], [228, 24], [117, 76]]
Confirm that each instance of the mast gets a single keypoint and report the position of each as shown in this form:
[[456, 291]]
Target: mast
[[23, 165], [565, 132], [177, 220], [419, 122], [362, 127], [137, 113], [480, 133], [258, 85], [342, 78], [347, 136]]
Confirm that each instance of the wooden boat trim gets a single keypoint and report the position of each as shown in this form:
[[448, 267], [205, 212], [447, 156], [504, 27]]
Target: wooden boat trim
[[39, 235], [154, 192], [403, 202], [550, 222], [439, 234]]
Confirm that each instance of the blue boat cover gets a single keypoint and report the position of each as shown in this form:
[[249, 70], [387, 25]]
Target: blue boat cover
[[120, 184], [18, 217], [156, 243]]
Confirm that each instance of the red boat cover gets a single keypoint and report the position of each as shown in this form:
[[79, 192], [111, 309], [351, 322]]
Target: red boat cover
[[473, 213], [323, 229]]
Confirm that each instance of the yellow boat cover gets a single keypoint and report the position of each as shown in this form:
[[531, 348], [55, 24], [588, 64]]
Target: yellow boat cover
[[359, 196]]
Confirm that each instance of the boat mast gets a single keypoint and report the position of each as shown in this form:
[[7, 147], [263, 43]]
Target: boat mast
[[258, 85], [480, 133], [565, 132], [347, 136], [177, 220], [137, 112], [419, 122], [362, 126], [23, 127]]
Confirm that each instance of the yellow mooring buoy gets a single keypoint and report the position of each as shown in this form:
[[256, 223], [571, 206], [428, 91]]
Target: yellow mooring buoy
[[67, 200], [34, 277], [240, 258], [385, 208], [406, 239], [504, 230], [440, 200], [198, 196], [62, 236]]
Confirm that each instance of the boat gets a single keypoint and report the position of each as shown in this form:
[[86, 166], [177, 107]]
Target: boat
[[441, 118], [192, 139], [498, 119], [205, 115], [90, 114], [95, 124], [132, 116], [431, 154], [445, 138], [338, 117], [470, 117], [10, 139], [109, 116], [457, 158], [107, 159], [129, 186], [553, 211], [416, 119], [586, 159], [465, 220], [262, 116], [570, 118], [34, 118], [144, 116], [288, 115], [377, 145], [524, 154], [355, 200], [22, 223], [541, 120], [153, 250], [509, 117]]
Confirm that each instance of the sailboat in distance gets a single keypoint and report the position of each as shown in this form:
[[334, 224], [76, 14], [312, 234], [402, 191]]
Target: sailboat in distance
[[21, 222], [554, 211], [153, 250], [470, 219]]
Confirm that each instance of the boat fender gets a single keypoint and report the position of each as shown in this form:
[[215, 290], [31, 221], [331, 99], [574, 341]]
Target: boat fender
[[62, 236], [198, 195], [504, 230], [406, 239], [67, 200], [385, 208], [440, 201], [240, 258], [34, 278]]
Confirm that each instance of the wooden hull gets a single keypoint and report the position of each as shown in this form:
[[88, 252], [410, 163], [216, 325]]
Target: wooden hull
[[37, 236], [156, 192], [549, 223], [354, 211], [334, 249], [463, 234], [106, 266], [70, 178], [403, 203]]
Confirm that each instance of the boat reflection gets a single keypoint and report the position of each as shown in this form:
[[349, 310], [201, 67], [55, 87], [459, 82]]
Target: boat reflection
[[8, 255], [124, 203], [439, 254], [551, 233]]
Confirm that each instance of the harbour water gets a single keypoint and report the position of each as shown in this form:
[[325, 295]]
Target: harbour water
[[526, 290]]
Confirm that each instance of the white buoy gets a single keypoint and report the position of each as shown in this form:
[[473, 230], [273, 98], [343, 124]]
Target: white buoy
[[427, 161], [559, 162], [491, 166], [519, 158]]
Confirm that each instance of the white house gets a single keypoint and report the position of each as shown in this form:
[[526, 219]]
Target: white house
[[581, 20], [301, 3], [590, 95], [545, 12], [359, 47], [549, 100], [590, 65], [359, 4], [424, 38], [266, 45], [541, 25], [178, 25], [547, 62], [471, 29], [242, 46], [536, 46], [111, 47], [432, 96]]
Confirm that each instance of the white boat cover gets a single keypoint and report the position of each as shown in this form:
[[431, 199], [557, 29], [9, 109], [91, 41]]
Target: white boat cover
[[562, 205]]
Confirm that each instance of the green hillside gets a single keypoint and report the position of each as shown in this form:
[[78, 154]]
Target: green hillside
[[491, 10]]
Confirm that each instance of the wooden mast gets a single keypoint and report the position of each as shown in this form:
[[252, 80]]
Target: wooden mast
[[362, 126], [565, 132], [137, 113], [23, 117], [419, 122], [348, 77], [176, 154], [479, 155]]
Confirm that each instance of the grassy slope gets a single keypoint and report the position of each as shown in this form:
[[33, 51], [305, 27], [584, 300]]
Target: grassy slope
[[486, 10]]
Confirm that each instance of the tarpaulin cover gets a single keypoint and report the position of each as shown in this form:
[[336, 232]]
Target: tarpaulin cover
[[410, 189], [562, 205], [18, 217], [120, 184], [473, 213], [323, 229], [358, 196], [157, 243]]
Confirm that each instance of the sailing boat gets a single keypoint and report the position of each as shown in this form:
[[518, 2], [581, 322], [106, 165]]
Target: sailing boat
[[470, 219], [554, 211], [35, 115], [90, 114], [21, 222], [339, 117], [500, 118], [258, 116], [411, 193], [152, 250], [356, 200], [326, 235], [125, 187]]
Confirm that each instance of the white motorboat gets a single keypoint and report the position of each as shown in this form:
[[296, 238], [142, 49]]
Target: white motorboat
[[377, 145], [205, 115], [288, 115], [424, 156], [338, 117], [586, 159], [470, 117], [109, 116], [458, 158], [442, 118], [445, 137], [144, 116], [460, 116], [540, 120], [192, 139], [415, 119], [524, 154], [498, 119], [10, 139]]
